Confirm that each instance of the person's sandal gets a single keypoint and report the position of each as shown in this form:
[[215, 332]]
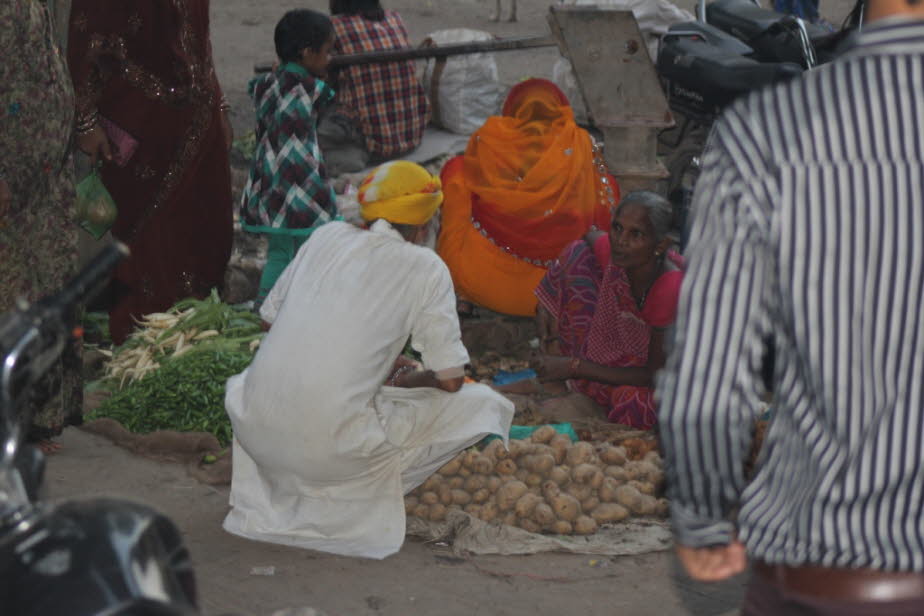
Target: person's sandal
[[466, 309]]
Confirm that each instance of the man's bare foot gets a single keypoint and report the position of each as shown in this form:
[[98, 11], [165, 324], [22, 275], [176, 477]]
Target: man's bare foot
[[48, 446]]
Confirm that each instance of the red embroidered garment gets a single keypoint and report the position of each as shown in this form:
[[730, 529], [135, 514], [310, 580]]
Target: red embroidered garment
[[598, 320], [147, 67], [385, 100]]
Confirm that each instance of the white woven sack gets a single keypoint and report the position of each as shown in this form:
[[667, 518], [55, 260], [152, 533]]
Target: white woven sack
[[467, 91]]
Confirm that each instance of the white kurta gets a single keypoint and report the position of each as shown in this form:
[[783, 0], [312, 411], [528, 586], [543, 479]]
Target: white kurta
[[323, 452]]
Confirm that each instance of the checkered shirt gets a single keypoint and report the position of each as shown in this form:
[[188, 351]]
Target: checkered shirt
[[288, 187], [386, 100]]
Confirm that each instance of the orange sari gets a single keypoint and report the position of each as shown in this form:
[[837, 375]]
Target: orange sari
[[529, 183]]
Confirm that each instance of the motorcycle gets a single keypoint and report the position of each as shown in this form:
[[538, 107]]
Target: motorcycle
[[734, 47], [90, 558]]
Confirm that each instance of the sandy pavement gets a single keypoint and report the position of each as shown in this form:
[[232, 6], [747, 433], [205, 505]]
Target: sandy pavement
[[421, 579]]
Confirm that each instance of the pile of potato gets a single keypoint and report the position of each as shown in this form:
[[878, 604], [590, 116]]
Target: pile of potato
[[544, 484]]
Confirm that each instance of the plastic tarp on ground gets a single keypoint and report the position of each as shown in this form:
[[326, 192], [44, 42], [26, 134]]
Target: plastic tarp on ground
[[467, 534], [654, 17]]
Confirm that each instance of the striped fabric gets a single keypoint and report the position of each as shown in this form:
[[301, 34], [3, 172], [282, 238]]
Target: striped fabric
[[385, 100], [288, 189], [809, 224]]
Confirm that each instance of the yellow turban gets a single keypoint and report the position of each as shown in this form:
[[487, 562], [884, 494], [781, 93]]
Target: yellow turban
[[401, 192]]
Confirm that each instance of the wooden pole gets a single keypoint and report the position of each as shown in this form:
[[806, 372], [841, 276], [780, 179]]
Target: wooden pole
[[417, 53]]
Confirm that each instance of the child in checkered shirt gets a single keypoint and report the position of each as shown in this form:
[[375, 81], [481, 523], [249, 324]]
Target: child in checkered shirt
[[288, 194]]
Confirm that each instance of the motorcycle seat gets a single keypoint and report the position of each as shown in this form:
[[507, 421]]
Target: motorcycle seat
[[747, 21], [714, 36], [703, 78]]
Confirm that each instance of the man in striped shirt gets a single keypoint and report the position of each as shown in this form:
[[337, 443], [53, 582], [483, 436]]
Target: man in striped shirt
[[809, 224]]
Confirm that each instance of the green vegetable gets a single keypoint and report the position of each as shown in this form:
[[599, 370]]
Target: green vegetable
[[185, 394]]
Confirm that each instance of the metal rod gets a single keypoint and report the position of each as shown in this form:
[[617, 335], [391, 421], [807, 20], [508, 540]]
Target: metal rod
[[417, 53]]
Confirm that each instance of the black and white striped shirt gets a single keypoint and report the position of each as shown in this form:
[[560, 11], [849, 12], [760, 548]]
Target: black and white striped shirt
[[809, 224]]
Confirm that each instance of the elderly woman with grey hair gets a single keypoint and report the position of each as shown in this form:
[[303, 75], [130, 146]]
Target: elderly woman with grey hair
[[604, 307]]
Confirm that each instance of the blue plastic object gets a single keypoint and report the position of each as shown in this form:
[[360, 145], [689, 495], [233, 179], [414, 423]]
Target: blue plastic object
[[503, 377]]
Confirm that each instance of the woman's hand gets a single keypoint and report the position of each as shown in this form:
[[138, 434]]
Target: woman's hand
[[95, 144], [551, 367]]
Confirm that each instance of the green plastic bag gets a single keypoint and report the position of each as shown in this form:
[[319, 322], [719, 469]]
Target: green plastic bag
[[96, 211]]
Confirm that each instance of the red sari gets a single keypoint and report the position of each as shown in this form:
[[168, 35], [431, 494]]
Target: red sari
[[147, 67], [598, 320]]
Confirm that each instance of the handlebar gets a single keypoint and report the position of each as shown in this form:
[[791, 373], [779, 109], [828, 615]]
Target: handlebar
[[33, 336]]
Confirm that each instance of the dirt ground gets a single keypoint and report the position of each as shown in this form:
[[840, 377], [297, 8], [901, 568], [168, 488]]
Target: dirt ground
[[422, 578]]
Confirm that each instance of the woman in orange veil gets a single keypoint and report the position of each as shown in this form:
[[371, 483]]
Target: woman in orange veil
[[530, 182]]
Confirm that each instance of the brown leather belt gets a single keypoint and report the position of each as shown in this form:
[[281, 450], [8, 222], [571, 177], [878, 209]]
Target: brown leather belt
[[866, 585]]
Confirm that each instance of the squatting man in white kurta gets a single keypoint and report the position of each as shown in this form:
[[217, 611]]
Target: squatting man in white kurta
[[331, 426]]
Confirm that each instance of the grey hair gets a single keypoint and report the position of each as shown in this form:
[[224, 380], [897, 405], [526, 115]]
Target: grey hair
[[659, 210]]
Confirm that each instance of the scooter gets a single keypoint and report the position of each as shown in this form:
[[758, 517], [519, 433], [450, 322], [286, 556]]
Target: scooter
[[97, 557]]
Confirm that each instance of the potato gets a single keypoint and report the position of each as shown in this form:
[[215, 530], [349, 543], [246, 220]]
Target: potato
[[464, 472], [493, 482], [482, 465], [647, 471], [607, 491], [469, 460], [525, 504], [437, 512], [450, 468], [489, 511], [653, 457], [608, 513], [543, 515], [541, 449], [521, 474], [579, 491], [550, 489], [517, 448], [560, 475], [646, 505], [472, 509], [422, 511], [559, 445], [456, 482], [539, 463], [612, 455], [579, 453], [534, 480], [566, 507], [429, 498], [662, 508], [529, 525], [474, 483], [643, 486], [495, 450], [506, 467], [543, 434], [628, 497], [562, 527], [410, 503], [589, 504], [585, 525], [432, 484], [509, 493], [480, 496], [587, 474], [616, 472], [509, 518], [445, 494], [461, 497]]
